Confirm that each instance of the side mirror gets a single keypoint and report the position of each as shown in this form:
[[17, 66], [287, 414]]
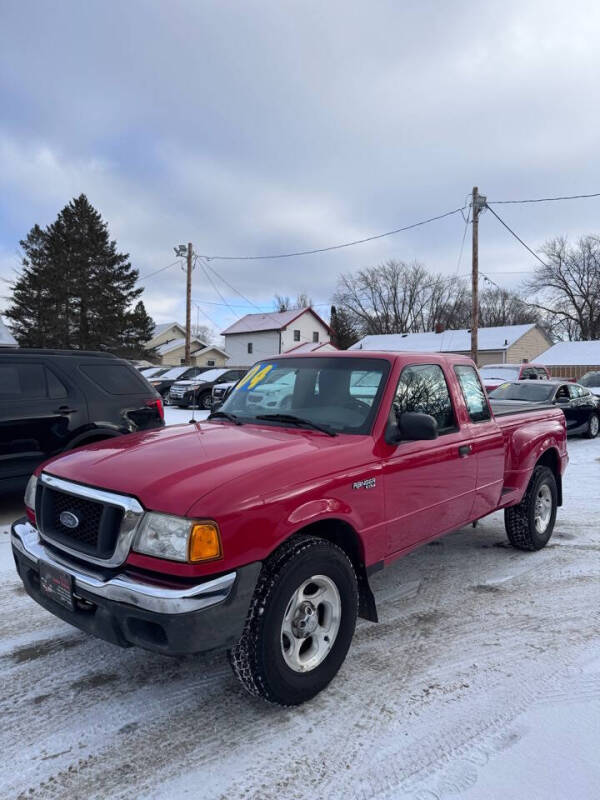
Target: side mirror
[[412, 426], [562, 400]]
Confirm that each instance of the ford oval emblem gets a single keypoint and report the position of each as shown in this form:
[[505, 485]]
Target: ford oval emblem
[[68, 519]]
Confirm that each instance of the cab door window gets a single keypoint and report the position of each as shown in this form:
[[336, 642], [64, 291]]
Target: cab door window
[[423, 388], [472, 391]]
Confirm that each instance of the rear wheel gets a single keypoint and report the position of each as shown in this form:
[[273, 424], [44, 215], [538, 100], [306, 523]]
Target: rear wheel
[[300, 624], [529, 525], [593, 426]]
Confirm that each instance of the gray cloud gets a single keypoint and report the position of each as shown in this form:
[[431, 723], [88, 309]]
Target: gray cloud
[[265, 126]]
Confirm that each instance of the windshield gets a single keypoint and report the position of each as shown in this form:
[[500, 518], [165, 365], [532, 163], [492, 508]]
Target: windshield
[[341, 394], [152, 372], [530, 392], [209, 375], [172, 374], [590, 379], [499, 373]]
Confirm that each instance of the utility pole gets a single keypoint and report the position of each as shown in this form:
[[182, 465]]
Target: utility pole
[[188, 305], [477, 204]]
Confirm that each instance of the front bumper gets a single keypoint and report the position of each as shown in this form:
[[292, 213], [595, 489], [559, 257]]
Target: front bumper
[[129, 611]]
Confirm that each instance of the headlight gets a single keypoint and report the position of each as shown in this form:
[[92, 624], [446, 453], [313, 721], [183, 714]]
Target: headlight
[[30, 492], [178, 538]]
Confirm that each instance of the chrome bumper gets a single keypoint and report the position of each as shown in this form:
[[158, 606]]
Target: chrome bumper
[[26, 541]]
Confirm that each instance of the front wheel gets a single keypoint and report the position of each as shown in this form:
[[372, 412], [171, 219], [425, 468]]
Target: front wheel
[[529, 525], [205, 401], [300, 624], [593, 426]]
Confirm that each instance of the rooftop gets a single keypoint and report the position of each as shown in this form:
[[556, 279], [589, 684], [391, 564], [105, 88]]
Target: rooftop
[[576, 353], [6, 337], [269, 321], [498, 338]]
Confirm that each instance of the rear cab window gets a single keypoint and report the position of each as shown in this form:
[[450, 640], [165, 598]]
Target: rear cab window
[[472, 392]]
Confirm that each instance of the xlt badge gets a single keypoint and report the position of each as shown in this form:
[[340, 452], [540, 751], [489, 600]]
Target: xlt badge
[[368, 483]]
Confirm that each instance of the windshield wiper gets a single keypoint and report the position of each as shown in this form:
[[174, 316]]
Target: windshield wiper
[[294, 420], [225, 415]]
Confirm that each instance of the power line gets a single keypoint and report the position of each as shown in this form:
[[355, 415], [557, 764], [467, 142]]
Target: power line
[[335, 246], [216, 288], [156, 271], [518, 238], [546, 199], [462, 244]]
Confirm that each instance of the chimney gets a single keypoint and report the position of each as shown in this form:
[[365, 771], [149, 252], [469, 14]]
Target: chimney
[[439, 328]]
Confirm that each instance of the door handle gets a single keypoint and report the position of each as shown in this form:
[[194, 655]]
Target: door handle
[[64, 410], [465, 450]]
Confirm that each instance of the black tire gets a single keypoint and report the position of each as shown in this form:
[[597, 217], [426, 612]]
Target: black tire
[[520, 521], [257, 659], [166, 399], [204, 401], [593, 426]]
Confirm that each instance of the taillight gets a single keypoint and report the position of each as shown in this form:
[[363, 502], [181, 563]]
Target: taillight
[[157, 403]]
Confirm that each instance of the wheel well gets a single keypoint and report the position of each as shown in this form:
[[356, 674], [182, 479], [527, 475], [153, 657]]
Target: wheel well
[[345, 537], [551, 460], [91, 439]]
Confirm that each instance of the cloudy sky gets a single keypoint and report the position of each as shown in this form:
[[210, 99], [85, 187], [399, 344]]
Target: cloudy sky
[[265, 126]]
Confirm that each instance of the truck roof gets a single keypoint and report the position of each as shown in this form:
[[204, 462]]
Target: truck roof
[[388, 355]]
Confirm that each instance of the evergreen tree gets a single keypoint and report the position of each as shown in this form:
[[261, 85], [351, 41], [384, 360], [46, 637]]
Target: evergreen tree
[[76, 289], [343, 330], [140, 329]]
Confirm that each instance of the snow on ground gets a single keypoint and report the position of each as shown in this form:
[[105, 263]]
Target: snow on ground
[[175, 416], [481, 681]]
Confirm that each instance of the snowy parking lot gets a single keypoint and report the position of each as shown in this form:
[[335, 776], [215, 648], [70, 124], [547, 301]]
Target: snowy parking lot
[[481, 681]]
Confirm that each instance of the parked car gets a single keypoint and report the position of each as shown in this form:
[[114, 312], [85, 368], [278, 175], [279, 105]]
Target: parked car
[[256, 531], [197, 391], [162, 381], [56, 400], [219, 393], [580, 407], [591, 381], [153, 372], [493, 375]]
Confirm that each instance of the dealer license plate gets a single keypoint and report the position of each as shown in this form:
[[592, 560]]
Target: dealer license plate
[[57, 584]]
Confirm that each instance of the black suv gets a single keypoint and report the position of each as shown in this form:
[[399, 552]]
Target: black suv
[[55, 400], [163, 380], [197, 391]]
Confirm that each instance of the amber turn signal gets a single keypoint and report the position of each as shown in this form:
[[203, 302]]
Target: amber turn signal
[[205, 542]]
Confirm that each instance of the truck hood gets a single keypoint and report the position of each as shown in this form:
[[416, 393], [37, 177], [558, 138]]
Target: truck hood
[[170, 469]]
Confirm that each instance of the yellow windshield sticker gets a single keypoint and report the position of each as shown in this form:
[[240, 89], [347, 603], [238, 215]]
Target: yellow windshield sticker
[[252, 378]]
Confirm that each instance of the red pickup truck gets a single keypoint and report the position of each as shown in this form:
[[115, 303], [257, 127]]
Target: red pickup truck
[[256, 531]]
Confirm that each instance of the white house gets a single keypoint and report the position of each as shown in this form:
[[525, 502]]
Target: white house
[[168, 344], [572, 359], [257, 336], [504, 344], [6, 337]]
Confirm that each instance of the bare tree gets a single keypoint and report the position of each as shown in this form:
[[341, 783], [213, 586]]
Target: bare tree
[[567, 286], [283, 302], [502, 307], [399, 297]]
